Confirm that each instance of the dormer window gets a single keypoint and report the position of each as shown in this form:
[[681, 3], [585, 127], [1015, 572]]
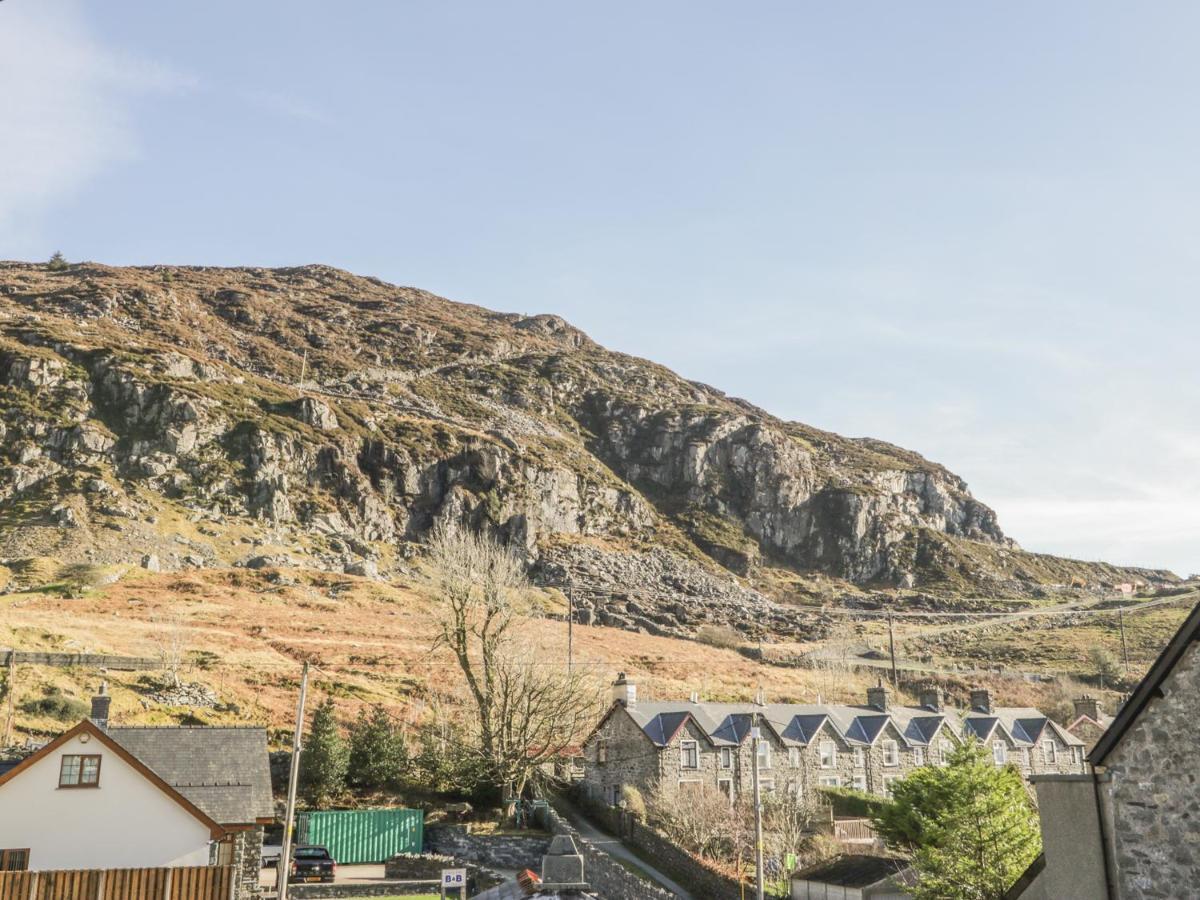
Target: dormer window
[[891, 753], [1000, 752], [79, 771]]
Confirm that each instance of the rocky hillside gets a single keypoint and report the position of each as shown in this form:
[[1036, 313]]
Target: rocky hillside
[[179, 417]]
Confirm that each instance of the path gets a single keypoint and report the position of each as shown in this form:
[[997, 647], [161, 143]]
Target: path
[[606, 843]]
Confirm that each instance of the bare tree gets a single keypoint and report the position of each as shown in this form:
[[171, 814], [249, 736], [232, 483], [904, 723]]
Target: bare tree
[[528, 711], [701, 820], [170, 641]]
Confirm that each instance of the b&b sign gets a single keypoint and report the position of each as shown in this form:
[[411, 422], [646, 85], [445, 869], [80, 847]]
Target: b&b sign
[[454, 878]]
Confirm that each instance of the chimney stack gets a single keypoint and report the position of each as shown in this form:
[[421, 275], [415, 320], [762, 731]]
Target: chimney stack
[[932, 698], [1089, 706], [624, 692], [879, 697], [100, 707], [981, 700]]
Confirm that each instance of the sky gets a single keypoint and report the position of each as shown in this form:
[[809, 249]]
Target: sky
[[968, 229]]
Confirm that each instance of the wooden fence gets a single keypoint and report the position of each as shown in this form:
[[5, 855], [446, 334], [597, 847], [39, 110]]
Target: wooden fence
[[184, 883], [850, 831]]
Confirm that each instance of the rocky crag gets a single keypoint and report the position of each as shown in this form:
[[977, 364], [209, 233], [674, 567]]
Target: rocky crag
[[180, 417]]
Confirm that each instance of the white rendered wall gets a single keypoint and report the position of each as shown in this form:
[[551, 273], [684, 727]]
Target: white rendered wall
[[126, 822]]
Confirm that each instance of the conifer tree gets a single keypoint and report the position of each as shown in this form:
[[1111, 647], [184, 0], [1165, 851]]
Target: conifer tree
[[325, 759], [377, 752], [970, 825]]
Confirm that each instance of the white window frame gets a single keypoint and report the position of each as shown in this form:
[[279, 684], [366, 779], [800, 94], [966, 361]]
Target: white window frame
[[891, 753], [794, 757], [692, 783], [1076, 754], [726, 757], [860, 758], [725, 786], [1050, 752], [602, 751], [859, 782], [828, 751], [684, 748], [999, 752], [829, 781], [945, 748], [764, 755], [918, 756]]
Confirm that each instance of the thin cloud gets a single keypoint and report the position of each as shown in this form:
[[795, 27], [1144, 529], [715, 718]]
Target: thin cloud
[[287, 105], [66, 108]]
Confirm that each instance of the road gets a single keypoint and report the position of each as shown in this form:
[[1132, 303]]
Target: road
[[606, 843]]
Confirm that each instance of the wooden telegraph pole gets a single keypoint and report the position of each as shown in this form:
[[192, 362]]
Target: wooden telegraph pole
[[285, 852], [1124, 647], [755, 739], [892, 647]]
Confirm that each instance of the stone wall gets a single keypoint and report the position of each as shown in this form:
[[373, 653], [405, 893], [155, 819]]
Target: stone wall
[[428, 867], [1155, 804], [607, 877], [503, 851], [315, 891], [246, 859]]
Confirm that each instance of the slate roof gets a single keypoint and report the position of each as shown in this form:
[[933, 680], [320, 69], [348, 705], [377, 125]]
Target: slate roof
[[728, 724], [225, 772], [852, 870]]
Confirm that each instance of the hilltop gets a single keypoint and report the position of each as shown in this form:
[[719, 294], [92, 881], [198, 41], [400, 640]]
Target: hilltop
[[203, 418]]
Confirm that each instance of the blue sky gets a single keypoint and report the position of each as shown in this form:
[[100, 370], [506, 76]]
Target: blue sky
[[970, 230]]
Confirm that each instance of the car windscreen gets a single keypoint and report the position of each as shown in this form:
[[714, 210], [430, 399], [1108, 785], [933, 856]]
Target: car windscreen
[[311, 853]]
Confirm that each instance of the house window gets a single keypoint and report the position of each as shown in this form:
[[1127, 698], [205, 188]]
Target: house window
[[614, 794], [860, 782], [726, 757], [1077, 755], [79, 771], [767, 787], [1051, 752], [891, 753], [888, 782], [918, 756], [689, 754], [860, 758], [14, 860], [829, 781], [828, 755], [794, 757], [725, 786], [764, 755], [690, 785], [944, 751], [601, 751], [1025, 757], [999, 752]]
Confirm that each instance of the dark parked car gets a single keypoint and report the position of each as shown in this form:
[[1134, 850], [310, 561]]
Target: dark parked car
[[312, 863]]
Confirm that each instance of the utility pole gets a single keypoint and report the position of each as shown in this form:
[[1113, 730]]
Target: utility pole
[[285, 852], [892, 647], [755, 738], [1124, 647], [10, 701], [570, 631]]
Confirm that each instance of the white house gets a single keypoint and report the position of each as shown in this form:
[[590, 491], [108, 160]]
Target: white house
[[101, 797]]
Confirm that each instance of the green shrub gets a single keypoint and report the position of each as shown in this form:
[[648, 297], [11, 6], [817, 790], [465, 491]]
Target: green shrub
[[719, 636], [852, 803], [56, 705]]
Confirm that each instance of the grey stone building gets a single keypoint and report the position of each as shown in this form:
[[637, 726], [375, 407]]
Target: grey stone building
[[673, 745], [1130, 828]]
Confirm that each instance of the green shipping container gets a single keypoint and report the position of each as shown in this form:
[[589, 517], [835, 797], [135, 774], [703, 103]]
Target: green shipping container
[[364, 835]]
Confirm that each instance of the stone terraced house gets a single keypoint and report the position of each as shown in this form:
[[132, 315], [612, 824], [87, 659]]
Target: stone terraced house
[[673, 745], [1129, 827]]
